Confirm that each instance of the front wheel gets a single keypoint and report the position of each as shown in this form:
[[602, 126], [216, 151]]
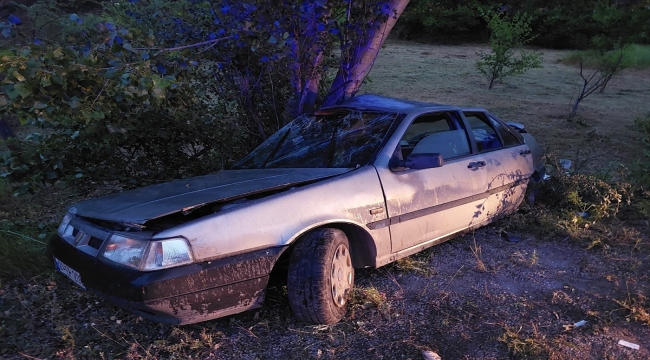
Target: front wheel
[[320, 277]]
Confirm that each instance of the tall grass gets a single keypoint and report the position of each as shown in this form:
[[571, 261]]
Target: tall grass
[[635, 56], [22, 246]]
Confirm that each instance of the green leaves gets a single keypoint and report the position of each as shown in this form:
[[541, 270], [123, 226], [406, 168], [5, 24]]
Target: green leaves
[[507, 33]]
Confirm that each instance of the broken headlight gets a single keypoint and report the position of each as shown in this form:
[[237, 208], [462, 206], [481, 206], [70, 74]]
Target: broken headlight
[[147, 255]]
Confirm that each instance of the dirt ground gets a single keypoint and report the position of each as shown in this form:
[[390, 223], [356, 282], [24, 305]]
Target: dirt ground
[[476, 297]]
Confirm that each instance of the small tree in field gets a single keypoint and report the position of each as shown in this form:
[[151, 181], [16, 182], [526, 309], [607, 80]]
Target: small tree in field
[[608, 65], [507, 34]]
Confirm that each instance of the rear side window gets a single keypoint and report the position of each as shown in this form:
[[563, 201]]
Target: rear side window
[[483, 132], [507, 136]]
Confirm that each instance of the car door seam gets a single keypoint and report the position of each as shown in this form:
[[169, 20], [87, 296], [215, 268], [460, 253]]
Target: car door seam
[[437, 208]]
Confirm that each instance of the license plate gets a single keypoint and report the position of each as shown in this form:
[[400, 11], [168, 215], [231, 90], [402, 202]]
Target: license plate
[[69, 272]]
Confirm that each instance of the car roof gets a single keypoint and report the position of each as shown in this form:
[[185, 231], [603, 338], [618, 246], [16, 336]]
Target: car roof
[[388, 104]]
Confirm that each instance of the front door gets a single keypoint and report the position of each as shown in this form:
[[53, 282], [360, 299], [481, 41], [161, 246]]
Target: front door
[[427, 204]]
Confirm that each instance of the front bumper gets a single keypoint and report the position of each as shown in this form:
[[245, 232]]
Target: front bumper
[[181, 295]]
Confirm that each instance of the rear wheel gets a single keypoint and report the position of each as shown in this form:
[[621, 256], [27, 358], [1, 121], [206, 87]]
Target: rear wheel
[[320, 277]]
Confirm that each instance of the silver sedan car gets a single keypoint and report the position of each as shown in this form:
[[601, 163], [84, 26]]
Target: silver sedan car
[[357, 185]]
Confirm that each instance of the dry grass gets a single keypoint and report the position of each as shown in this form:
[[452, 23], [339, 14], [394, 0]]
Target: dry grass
[[638, 306], [476, 251]]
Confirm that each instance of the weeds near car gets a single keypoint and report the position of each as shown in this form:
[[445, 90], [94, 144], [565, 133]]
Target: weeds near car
[[414, 264], [367, 298], [583, 197], [522, 257], [639, 308], [21, 253], [476, 251], [520, 345]]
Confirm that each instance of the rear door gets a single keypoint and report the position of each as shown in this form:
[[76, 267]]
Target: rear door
[[426, 204], [508, 164]]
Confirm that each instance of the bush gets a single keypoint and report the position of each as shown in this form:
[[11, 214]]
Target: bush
[[506, 35], [130, 124], [559, 24], [111, 96], [582, 195], [442, 19]]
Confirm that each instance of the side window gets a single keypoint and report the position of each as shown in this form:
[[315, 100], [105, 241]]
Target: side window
[[435, 133], [484, 134], [508, 137]]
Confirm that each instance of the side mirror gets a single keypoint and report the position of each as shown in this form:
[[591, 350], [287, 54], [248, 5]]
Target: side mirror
[[417, 161]]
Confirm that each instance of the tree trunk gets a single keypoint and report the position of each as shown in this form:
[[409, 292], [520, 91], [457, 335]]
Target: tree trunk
[[353, 71], [574, 110]]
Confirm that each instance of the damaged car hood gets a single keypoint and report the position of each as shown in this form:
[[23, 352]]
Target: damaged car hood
[[141, 205]]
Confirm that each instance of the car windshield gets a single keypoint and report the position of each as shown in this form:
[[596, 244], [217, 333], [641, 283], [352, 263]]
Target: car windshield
[[337, 139]]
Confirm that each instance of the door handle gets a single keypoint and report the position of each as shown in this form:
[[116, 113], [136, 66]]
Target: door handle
[[474, 165], [524, 152]]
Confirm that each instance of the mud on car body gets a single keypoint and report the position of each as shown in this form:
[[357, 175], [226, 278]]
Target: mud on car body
[[360, 184]]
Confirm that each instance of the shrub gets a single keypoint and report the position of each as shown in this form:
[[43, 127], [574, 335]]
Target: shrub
[[506, 35], [447, 18], [110, 97], [131, 123], [583, 195]]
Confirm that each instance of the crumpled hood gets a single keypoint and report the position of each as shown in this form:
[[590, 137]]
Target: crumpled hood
[[141, 205]]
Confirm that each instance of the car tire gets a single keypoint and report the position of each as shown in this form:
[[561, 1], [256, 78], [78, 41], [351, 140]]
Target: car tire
[[320, 277]]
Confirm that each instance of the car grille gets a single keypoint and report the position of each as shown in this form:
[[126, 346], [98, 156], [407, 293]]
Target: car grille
[[87, 237], [95, 243]]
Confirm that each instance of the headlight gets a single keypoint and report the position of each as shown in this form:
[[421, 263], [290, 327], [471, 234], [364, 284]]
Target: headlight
[[147, 255], [65, 230], [167, 253], [125, 251]]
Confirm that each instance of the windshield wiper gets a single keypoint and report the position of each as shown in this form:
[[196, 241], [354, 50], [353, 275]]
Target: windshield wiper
[[275, 150]]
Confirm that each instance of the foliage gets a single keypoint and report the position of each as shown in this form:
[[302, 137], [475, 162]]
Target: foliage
[[506, 35], [635, 56], [581, 196], [450, 19], [520, 345], [101, 117], [559, 23]]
